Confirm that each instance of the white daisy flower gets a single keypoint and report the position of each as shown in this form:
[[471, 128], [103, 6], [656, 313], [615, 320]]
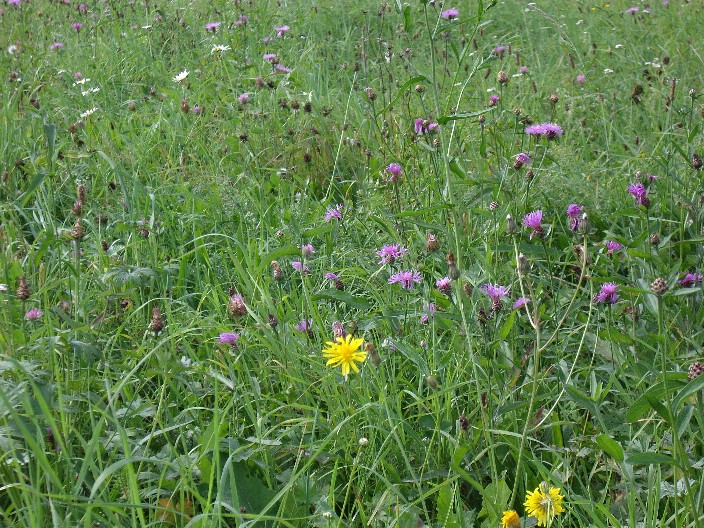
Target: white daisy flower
[[181, 76], [90, 91], [219, 48], [89, 112]]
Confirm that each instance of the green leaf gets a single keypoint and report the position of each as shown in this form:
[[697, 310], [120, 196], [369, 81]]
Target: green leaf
[[277, 254], [641, 406], [693, 386], [508, 325], [443, 120], [444, 506], [649, 457], [50, 133], [610, 446], [494, 500], [406, 86], [407, 18], [683, 419], [581, 399]]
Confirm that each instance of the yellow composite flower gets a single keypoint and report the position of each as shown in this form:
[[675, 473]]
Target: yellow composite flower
[[510, 519], [544, 504], [344, 352]]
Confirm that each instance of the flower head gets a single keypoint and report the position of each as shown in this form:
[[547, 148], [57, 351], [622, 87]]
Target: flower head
[[523, 158], [608, 293], [281, 30], [495, 291], [334, 212], [493, 99], [243, 98], [632, 10], [573, 213], [219, 48], [181, 76], [395, 170], [56, 45], [229, 338], [499, 51], [544, 504], [282, 68], [428, 312], [212, 26], [520, 303], [534, 222], [450, 14], [271, 57], [331, 276], [390, 253], [305, 326], [548, 130], [406, 278], [424, 126], [307, 250], [691, 279], [34, 314], [581, 79], [640, 193], [344, 352], [76, 26], [510, 519], [300, 267], [612, 246], [444, 285]]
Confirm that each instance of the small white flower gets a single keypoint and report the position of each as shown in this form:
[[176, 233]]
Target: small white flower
[[89, 112], [608, 70], [579, 22], [618, 46], [146, 27], [90, 91], [3, 287], [219, 48], [186, 362], [363, 442], [81, 81], [12, 49], [181, 76]]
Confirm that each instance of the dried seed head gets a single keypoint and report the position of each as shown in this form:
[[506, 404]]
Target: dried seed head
[[157, 323], [502, 77], [523, 265], [237, 306], [464, 423], [185, 108], [419, 89], [339, 285], [554, 99], [468, 289], [77, 232], [655, 239], [273, 321], [659, 286], [81, 193], [530, 175], [697, 161], [77, 209], [23, 291], [511, 226], [482, 119]]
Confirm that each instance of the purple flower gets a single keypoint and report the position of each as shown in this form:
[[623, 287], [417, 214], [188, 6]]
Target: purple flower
[[334, 212], [499, 51], [612, 246], [212, 26], [405, 278], [395, 170], [640, 193], [242, 20], [520, 302], [300, 267], [523, 69], [495, 291], [390, 253], [83, 8], [243, 98], [608, 293], [450, 14], [331, 276], [56, 45], [548, 130], [305, 326], [34, 314], [76, 26], [581, 79], [632, 10], [534, 221], [691, 279], [307, 250], [271, 57], [424, 126], [444, 285], [493, 99], [267, 39], [13, 2], [282, 68], [523, 158], [281, 30], [197, 110], [229, 338], [573, 212], [429, 311], [78, 76]]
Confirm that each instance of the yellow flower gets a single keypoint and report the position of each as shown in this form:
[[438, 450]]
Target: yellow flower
[[544, 504], [510, 520], [344, 353]]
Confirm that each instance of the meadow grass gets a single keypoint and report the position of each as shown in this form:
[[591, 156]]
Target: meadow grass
[[199, 198]]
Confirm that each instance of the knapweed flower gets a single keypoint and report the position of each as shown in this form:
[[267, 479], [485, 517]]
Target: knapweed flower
[[493, 99], [520, 303], [241, 21], [395, 170], [499, 51], [640, 193], [243, 98], [334, 212], [76, 26], [608, 293], [632, 10], [13, 2], [345, 352], [282, 68], [212, 26], [424, 126], [197, 110], [573, 213], [390, 253], [450, 14], [444, 285], [534, 222], [428, 312], [281, 30], [544, 504], [56, 45], [305, 326], [307, 250], [691, 279], [548, 130], [495, 293], [228, 338], [271, 57], [510, 519], [331, 276], [581, 79], [181, 76], [34, 314], [406, 278], [523, 158], [300, 267], [612, 246], [219, 48], [83, 8]]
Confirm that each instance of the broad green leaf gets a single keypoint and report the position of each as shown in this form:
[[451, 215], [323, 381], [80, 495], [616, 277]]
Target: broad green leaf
[[649, 457], [610, 446]]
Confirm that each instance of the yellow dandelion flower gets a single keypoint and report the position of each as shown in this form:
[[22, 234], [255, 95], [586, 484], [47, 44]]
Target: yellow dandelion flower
[[344, 353], [544, 504], [510, 520]]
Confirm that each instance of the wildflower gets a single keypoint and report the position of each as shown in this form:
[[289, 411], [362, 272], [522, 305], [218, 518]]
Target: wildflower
[[534, 222], [444, 285], [77, 27], [431, 243], [520, 303], [300, 267], [307, 250], [523, 69], [696, 369], [331, 276], [338, 330], [156, 325], [390, 253], [395, 170], [495, 293], [212, 26], [424, 126], [181, 76], [229, 338], [94, 89], [520, 160], [345, 353], [428, 312], [281, 30], [197, 110], [237, 306], [80, 80], [83, 8], [632, 10], [305, 326], [219, 48], [493, 99], [608, 293], [640, 193], [89, 112], [405, 278], [271, 57], [450, 14], [690, 279], [243, 98], [510, 519], [334, 212], [34, 314], [4, 288], [544, 504], [612, 246], [548, 130], [573, 212], [13, 2], [499, 51], [56, 45], [581, 79], [282, 68]]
